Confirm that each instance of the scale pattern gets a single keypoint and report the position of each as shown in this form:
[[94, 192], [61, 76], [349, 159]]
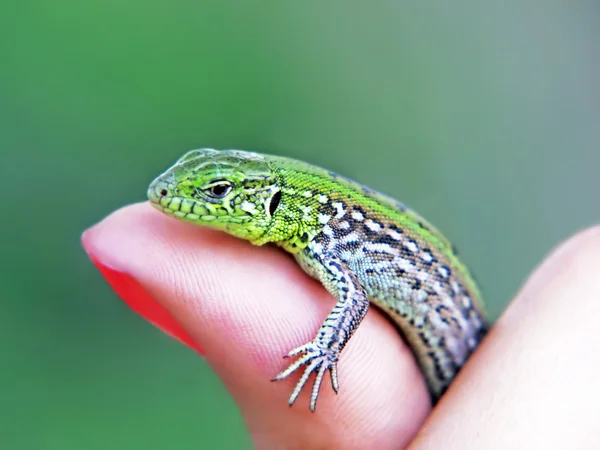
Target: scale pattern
[[362, 246]]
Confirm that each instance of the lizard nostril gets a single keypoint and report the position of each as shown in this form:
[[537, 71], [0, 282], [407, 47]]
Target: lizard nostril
[[163, 192]]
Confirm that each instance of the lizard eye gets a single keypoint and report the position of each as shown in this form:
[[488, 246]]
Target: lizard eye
[[219, 189]]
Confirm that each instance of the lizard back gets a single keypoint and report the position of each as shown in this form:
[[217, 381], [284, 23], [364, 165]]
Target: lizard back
[[409, 269]]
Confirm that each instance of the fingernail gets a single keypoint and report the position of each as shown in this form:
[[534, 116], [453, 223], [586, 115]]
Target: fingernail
[[138, 299]]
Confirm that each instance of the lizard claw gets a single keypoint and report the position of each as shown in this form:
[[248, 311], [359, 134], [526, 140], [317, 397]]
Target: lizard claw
[[297, 350], [318, 359]]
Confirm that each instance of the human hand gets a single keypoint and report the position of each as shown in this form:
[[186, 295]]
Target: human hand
[[531, 384]]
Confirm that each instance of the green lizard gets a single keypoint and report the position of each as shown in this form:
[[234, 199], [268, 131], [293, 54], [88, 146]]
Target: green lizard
[[361, 245]]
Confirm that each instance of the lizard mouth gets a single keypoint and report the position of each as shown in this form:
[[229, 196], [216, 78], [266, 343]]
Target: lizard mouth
[[160, 195]]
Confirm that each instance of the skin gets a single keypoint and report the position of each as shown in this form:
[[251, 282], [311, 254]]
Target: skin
[[531, 384]]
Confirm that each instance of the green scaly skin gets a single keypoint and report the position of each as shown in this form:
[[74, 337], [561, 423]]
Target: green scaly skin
[[361, 245]]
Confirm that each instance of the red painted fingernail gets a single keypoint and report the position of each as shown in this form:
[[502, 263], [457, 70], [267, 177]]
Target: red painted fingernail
[[138, 299]]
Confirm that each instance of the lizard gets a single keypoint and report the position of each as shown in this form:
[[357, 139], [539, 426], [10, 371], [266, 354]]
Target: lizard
[[363, 246]]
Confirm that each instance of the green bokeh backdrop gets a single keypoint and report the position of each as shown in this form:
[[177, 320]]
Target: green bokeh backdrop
[[484, 118]]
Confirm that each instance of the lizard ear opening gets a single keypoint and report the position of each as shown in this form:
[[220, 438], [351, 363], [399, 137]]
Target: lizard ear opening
[[274, 203]]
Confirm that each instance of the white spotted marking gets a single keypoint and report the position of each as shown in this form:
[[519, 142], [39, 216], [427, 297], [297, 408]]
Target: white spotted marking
[[373, 226], [248, 207], [405, 265], [455, 287], [466, 300], [380, 247], [323, 198], [357, 215], [328, 231], [316, 247], [324, 218], [341, 212], [443, 271], [344, 225], [437, 287], [307, 194], [350, 237], [427, 257], [411, 246], [420, 320], [394, 234], [306, 210]]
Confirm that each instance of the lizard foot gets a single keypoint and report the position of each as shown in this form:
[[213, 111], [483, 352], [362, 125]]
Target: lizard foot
[[317, 358]]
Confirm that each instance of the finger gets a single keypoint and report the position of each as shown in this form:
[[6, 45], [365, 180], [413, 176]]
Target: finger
[[533, 383], [246, 307]]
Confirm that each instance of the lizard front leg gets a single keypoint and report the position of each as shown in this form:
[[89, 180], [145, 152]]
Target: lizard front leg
[[323, 352]]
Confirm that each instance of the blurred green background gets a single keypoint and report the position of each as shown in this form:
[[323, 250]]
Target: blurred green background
[[485, 118]]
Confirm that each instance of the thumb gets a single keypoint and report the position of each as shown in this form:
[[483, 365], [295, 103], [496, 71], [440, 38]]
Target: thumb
[[243, 308]]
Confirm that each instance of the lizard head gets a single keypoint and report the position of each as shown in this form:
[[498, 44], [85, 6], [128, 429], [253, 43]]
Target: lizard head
[[229, 190]]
